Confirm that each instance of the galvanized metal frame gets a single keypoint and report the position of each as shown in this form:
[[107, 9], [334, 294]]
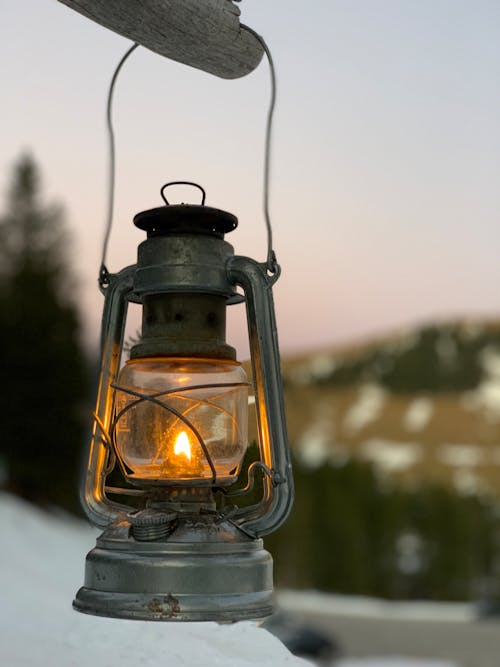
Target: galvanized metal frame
[[100, 510], [256, 283]]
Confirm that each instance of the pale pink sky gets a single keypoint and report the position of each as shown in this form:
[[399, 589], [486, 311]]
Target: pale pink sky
[[385, 192]]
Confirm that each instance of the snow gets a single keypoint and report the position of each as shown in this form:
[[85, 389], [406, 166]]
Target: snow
[[487, 395], [41, 567], [418, 414], [314, 445], [409, 557], [390, 455], [317, 444], [485, 398], [468, 482], [329, 604], [369, 405], [393, 661], [460, 455], [490, 361], [363, 616], [320, 367]]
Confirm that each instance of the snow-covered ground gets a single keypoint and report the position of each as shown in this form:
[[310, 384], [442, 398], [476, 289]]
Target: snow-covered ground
[[327, 604], [392, 661], [426, 633], [41, 567]]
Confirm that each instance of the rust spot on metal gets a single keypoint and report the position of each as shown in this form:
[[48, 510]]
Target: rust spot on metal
[[173, 603], [166, 607], [155, 606]]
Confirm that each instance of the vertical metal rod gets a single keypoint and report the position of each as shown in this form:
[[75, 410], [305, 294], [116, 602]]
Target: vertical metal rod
[[98, 508], [273, 440]]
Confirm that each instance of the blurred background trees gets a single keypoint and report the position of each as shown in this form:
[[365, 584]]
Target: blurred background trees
[[348, 533], [44, 369]]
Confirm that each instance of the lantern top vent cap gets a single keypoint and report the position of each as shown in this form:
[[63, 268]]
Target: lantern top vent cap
[[186, 219]]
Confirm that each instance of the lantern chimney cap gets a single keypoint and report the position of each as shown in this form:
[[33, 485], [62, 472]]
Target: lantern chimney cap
[[186, 219]]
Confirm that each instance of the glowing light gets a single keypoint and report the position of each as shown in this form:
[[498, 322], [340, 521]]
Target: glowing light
[[182, 445]]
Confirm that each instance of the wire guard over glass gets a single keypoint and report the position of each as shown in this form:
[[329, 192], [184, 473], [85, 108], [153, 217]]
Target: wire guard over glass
[[195, 432]]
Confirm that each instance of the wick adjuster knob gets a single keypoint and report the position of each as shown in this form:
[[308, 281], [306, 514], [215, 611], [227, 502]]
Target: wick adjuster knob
[[150, 524]]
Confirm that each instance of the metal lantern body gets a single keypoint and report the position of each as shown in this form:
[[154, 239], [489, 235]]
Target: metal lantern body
[[174, 419]]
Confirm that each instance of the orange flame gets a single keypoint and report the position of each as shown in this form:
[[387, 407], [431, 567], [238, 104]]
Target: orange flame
[[182, 445]]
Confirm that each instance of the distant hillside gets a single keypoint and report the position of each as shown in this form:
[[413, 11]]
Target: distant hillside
[[421, 405], [434, 358]]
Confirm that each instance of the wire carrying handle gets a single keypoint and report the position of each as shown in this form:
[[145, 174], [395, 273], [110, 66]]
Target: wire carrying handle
[[167, 203], [271, 263], [103, 278]]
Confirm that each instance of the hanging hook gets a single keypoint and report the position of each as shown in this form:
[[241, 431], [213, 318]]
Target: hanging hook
[[204, 194]]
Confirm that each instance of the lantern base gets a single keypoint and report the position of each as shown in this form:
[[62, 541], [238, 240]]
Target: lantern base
[[204, 571]]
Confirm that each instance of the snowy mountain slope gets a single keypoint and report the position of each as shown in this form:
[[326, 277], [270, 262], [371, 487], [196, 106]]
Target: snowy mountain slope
[[424, 405]]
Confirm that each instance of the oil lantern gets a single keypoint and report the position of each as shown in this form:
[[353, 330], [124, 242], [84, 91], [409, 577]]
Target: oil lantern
[[170, 424]]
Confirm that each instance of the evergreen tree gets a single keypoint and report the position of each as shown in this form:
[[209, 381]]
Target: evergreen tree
[[44, 372], [345, 528]]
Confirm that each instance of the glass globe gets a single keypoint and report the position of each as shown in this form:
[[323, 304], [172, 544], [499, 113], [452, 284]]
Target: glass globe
[[181, 419]]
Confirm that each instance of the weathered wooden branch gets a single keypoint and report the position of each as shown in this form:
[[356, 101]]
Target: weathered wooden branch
[[205, 34]]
